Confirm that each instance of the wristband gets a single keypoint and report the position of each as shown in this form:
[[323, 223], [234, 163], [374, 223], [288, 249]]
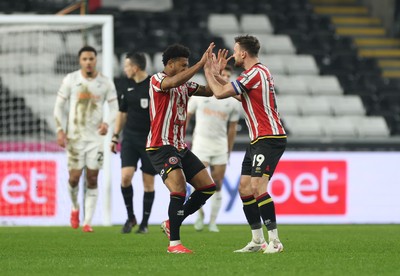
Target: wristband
[[115, 142]]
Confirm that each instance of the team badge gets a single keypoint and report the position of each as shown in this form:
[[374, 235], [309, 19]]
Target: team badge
[[173, 160], [144, 103]]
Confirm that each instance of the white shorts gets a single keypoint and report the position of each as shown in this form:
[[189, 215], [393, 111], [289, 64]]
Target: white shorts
[[211, 159], [85, 153]]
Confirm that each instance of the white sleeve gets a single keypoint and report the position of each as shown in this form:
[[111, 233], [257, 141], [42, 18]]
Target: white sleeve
[[112, 103], [63, 95], [113, 108], [235, 114], [58, 112], [192, 105], [112, 92], [65, 89]]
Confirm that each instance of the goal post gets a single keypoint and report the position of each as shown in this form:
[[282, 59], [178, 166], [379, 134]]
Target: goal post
[[32, 79], [105, 20]]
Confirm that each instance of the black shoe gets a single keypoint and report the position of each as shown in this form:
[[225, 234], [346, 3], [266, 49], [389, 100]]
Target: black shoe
[[129, 224], [142, 230]]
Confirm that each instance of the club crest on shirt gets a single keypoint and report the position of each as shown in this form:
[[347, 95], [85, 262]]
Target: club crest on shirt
[[173, 160], [144, 103]]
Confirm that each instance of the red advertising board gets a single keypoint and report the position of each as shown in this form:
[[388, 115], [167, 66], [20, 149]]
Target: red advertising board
[[27, 188], [304, 187]]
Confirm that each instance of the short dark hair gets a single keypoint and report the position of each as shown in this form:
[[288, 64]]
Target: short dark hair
[[249, 43], [137, 58], [175, 51], [87, 49]]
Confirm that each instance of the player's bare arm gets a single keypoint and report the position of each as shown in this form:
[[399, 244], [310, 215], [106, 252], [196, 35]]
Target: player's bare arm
[[204, 91], [184, 72], [220, 91], [119, 125]]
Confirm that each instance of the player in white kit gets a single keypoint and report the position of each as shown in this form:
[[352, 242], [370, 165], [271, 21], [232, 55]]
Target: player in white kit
[[86, 90], [213, 139]]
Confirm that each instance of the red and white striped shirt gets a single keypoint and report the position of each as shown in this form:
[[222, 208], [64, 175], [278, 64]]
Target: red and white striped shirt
[[257, 91], [168, 113]]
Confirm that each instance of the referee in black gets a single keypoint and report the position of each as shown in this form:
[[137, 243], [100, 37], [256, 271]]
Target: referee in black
[[134, 118]]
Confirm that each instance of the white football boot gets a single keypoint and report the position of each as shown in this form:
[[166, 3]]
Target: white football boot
[[253, 247], [274, 246]]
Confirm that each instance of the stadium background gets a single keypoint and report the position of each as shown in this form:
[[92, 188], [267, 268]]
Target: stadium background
[[337, 71]]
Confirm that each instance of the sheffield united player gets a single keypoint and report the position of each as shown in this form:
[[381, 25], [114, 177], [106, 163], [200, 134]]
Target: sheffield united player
[[268, 138], [169, 94]]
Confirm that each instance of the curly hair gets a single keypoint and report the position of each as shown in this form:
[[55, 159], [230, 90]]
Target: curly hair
[[175, 51]]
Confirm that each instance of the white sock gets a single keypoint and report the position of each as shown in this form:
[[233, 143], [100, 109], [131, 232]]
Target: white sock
[[173, 243], [73, 194], [273, 234], [90, 205], [258, 235], [200, 214], [216, 201]]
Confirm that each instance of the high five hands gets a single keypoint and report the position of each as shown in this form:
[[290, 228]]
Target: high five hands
[[216, 63]]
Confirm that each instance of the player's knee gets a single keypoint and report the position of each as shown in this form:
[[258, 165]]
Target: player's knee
[[92, 181], [126, 180], [73, 180]]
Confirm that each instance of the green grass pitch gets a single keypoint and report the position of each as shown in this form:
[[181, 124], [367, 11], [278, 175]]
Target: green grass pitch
[[309, 250]]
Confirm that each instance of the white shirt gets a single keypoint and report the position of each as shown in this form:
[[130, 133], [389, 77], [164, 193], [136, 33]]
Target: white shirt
[[86, 99], [212, 117]]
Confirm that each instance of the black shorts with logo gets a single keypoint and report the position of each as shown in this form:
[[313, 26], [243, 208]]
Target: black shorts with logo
[[133, 148], [262, 157], [168, 158]]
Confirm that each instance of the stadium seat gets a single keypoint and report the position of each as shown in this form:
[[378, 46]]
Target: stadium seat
[[373, 126], [303, 126], [347, 105], [290, 85], [256, 24], [158, 65], [326, 85], [223, 23], [337, 127], [276, 44], [274, 63], [315, 105], [301, 65], [288, 105]]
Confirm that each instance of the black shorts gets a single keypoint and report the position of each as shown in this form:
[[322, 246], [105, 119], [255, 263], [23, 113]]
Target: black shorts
[[167, 158], [133, 148], [262, 157]]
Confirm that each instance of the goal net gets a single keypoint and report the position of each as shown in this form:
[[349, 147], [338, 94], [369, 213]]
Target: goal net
[[36, 52]]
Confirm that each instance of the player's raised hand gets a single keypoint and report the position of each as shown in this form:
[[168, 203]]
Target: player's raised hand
[[103, 128], [222, 58], [207, 53]]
